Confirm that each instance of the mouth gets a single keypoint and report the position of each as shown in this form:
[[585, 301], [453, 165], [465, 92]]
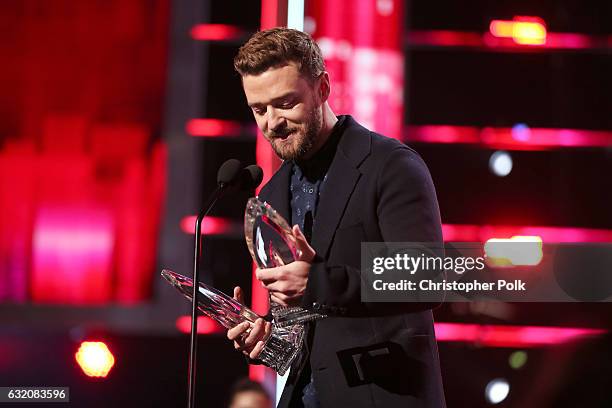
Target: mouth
[[283, 136]]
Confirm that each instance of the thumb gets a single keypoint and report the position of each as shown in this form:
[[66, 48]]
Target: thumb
[[238, 294], [305, 251]]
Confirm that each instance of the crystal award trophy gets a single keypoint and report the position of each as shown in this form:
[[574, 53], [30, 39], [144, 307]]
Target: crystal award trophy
[[278, 352], [271, 243]]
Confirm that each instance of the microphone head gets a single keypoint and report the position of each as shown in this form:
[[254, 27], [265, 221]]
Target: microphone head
[[229, 172], [252, 177]]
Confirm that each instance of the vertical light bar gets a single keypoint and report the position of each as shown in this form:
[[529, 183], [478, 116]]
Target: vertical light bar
[[295, 14], [363, 51], [295, 20], [273, 14]]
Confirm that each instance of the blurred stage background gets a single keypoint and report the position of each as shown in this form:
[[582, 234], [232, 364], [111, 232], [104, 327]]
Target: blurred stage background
[[115, 115]]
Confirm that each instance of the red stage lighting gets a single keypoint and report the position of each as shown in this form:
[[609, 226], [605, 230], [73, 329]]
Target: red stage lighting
[[482, 233], [215, 32], [211, 226], [511, 336], [505, 39], [518, 137], [213, 128], [95, 359], [206, 325]]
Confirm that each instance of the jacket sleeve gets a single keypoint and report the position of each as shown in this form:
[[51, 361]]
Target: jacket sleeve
[[407, 211]]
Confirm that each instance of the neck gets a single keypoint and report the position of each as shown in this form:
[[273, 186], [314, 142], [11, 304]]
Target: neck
[[329, 120]]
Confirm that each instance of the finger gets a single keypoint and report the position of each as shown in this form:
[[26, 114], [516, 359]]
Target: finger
[[267, 330], [277, 287], [278, 300], [281, 296], [305, 251], [257, 350], [238, 295], [267, 275], [237, 331], [256, 333], [243, 347]]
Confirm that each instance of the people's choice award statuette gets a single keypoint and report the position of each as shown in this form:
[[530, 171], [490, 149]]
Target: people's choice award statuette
[[271, 243], [278, 353]]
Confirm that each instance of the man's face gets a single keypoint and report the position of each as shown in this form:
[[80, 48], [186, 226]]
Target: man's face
[[250, 399], [287, 108]]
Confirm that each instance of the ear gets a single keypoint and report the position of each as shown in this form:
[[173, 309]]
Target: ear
[[324, 86]]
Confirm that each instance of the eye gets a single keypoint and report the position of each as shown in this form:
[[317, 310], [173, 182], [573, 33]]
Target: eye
[[258, 110], [288, 104]]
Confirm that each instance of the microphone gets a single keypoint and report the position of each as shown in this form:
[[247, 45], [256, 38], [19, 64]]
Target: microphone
[[231, 177], [228, 173], [251, 177]]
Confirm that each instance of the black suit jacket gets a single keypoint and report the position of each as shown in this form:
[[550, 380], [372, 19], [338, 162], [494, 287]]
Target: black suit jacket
[[366, 355]]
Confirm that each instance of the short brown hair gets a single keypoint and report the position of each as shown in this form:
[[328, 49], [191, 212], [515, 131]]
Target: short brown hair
[[277, 47], [246, 385]]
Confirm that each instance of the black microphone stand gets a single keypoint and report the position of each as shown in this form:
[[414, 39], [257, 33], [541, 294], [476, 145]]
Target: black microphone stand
[[229, 175], [193, 344]]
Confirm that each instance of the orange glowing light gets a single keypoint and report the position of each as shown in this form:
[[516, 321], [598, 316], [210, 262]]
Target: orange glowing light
[[520, 250], [522, 30], [95, 359], [501, 28]]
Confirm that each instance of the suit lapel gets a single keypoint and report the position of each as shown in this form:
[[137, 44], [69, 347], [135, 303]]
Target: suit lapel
[[276, 192], [341, 180], [342, 177]]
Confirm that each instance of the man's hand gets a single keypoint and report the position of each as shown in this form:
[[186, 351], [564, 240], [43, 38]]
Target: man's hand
[[287, 283], [249, 337]]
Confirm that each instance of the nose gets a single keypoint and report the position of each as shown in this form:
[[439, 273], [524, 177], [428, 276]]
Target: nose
[[275, 120]]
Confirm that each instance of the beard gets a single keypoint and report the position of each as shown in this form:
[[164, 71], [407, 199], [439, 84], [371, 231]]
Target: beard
[[293, 143]]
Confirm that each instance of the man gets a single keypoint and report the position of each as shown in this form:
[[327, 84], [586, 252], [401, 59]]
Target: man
[[340, 185], [249, 394]]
